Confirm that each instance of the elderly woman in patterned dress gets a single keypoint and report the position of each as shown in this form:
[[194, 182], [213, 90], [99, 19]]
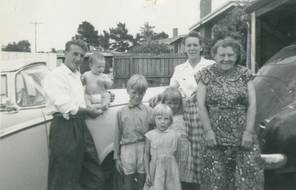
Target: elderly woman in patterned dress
[[227, 103]]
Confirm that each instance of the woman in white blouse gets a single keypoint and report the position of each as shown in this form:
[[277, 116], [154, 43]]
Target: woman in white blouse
[[183, 78]]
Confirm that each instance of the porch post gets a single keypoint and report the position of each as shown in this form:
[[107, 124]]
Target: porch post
[[253, 43]]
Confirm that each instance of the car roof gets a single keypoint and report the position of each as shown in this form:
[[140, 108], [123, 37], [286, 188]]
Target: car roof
[[16, 64]]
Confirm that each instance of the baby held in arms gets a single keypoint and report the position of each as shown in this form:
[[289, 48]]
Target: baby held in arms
[[96, 83]]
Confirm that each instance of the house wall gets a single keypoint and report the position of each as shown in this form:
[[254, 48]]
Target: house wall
[[178, 46]]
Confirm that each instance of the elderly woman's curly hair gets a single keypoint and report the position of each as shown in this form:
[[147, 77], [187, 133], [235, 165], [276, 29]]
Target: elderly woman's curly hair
[[228, 42]]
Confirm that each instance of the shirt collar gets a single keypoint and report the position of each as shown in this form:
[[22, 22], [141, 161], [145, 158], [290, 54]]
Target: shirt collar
[[167, 130], [187, 64], [68, 71], [202, 64], [140, 106], [202, 60]]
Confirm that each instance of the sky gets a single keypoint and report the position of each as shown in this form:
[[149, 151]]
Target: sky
[[59, 19]]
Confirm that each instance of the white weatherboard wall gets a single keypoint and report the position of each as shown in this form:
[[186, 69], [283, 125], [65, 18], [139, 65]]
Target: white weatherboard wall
[[50, 58]]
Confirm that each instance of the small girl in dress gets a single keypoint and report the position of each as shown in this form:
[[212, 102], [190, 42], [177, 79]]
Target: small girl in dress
[[162, 172], [173, 98]]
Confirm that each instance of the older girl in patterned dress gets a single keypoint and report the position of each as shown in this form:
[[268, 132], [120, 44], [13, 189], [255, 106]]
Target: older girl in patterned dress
[[173, 98]]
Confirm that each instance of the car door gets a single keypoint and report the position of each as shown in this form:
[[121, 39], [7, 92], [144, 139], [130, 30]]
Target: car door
[[23, 134]]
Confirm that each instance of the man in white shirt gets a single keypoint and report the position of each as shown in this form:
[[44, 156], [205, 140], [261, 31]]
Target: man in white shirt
[[73, 160]]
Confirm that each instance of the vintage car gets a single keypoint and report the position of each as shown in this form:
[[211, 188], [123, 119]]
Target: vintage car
[[23, 129], [275, 85], [25, 125]]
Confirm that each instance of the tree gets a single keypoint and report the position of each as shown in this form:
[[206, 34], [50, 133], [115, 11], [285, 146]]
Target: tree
[[86, 31], [232, 25], [147, 32], [161, 35], [120, 39], [104, 40], [21, 46], [151, 47], [147, 41], [137, 39]]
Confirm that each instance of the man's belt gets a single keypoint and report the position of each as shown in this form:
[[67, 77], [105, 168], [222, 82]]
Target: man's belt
[[70, 116]]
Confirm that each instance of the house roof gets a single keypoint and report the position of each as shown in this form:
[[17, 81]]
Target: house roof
[[177, 38], [227, 6], [167, 41], [262, 3]]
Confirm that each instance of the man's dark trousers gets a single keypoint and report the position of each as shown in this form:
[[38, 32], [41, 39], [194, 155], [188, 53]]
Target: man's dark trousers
[[73, 160]]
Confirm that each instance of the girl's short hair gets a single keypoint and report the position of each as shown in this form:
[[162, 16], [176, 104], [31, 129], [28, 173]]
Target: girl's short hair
[[163, 109], [137, 82], [172, 93]]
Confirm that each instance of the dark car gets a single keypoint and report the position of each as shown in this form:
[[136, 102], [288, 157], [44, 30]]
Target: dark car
[[275, 86]]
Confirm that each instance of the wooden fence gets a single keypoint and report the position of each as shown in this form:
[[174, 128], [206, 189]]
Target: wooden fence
[[157, 69]]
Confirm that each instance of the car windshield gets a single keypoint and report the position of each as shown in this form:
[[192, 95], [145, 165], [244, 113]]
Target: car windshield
[[29, 90]]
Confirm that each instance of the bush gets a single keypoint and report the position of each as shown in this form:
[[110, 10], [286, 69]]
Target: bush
[[151, 47], [232, 25]]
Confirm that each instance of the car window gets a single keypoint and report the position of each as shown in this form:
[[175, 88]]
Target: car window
[[29, 90], [4, 92]]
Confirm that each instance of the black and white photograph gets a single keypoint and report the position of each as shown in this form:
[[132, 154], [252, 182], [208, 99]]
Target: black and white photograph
[[148, 95]]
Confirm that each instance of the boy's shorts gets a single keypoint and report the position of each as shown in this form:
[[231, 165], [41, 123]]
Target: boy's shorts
[[132, 158]]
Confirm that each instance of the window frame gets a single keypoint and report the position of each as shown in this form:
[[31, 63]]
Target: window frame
[[6, 86], [36, 64]]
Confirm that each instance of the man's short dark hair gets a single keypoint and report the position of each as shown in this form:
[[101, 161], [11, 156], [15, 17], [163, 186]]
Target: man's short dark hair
[[79, 43]]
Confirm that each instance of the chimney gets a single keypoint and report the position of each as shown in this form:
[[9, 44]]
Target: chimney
[[205, 7], [175, 32]]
